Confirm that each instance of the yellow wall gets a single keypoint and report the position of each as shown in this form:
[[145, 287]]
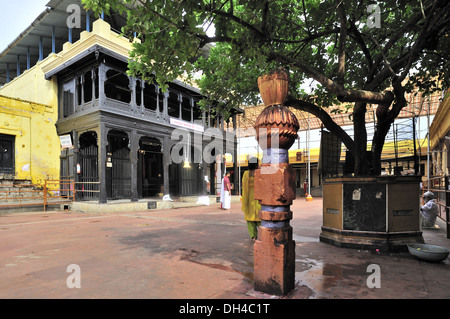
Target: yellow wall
[[32, 86], [36, 141]]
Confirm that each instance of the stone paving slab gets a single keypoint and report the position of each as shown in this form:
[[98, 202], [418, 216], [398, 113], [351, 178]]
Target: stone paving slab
[[193, 253]]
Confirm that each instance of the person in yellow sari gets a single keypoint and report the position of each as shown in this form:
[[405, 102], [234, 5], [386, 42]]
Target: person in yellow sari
[[250, 206]]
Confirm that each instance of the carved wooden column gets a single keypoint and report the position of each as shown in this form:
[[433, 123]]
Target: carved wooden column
[[166, 105], [141, 107], [102, 69], [102, 156], [132, 87], [134, 148], [93, 77], [180, 101], [157, 101], [276, 129]]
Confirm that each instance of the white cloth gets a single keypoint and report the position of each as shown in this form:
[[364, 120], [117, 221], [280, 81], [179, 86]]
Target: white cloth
[[222, 192], [225, 197], [429, 212], [203, 200], [227, 200]]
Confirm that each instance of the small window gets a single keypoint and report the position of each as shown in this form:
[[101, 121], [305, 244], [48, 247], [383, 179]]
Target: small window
[[174, 105], [87, 87], [138, 93], [186, 109], [68, 97], [79, 89], [150, 98], [198, 114]]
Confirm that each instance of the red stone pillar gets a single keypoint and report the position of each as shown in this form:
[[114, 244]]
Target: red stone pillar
[[274, 251]]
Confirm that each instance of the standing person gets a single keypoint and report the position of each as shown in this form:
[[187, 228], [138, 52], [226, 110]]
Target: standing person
[[305, 187], [250, 206], [429, 211], [226, 191]]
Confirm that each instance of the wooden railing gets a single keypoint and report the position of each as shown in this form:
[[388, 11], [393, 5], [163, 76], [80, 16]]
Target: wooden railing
[[61, 192], [87, 190], [54, 192]]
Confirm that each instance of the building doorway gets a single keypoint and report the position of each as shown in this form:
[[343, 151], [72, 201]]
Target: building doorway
[[88, 161], [118, 166], [7, 154], [150, 168], [7, 163]]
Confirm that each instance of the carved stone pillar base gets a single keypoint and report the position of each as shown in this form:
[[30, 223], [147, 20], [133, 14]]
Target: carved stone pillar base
[[274, 253]]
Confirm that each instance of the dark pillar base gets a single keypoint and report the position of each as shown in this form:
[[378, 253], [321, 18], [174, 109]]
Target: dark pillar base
[[274, 269], [367, 240]]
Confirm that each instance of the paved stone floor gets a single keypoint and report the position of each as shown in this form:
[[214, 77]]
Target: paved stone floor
[[195, 253]]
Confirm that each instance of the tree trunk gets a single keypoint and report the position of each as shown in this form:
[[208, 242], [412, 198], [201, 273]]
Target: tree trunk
[[385, 118], [360, 138], [382, 128]]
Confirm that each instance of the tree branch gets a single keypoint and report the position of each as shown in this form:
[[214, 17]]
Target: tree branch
[[341, 47], [417, 47], [245, 24], [343, 95], [393, 39], [264, 17], [360, 133], [362, 44], [309, 38], [324, 117]]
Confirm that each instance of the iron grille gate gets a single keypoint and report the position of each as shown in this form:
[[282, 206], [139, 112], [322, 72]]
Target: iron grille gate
[[118, 168], [88, 186]]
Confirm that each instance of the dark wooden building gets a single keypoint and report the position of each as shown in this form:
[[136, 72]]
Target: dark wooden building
[[121, 128]]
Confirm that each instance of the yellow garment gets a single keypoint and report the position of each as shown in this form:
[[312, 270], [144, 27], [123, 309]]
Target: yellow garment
[[250, 206]]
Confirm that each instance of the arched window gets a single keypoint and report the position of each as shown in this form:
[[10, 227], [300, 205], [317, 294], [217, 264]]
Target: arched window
[[186, 108], [174, 105], [116, 86], [87, 86], [150, 97]]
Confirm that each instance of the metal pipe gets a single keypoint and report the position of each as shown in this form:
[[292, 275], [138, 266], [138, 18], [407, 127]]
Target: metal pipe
[[308, 173], [428, 146]]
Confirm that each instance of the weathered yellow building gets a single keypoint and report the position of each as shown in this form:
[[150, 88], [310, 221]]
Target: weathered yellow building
[[29, 132]]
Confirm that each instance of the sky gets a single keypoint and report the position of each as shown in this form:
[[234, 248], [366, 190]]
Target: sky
[[16, 16]]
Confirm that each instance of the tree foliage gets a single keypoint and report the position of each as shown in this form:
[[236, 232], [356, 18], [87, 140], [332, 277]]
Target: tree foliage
[[338, 46]]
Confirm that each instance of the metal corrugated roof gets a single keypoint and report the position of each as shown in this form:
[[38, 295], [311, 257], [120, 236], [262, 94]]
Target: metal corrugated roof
[[416, 106], [54, 15]]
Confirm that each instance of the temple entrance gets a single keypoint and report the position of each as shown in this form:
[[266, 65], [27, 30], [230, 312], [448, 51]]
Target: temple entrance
[[150, 168], [118, 166]]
